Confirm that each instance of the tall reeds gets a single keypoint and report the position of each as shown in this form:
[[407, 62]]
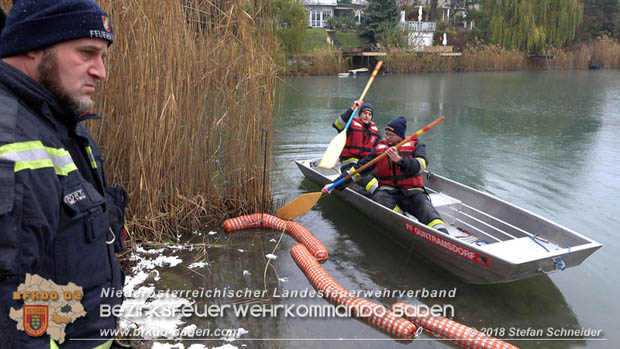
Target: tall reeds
[[482, 58], [495, 58], [492, 58], [189, 93], [603, 50], [402, 61], [606, 51], [190, 90], [327, 61]]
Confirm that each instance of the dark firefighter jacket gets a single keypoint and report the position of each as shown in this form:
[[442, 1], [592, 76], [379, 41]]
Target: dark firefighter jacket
[[53, 210]]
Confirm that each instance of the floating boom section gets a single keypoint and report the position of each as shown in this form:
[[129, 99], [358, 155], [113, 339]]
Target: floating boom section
[[453, 331], [310, 249], [359, 307], [294, 229]]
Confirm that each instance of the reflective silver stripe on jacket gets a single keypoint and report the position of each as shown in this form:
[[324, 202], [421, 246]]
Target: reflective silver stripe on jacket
[[33, 155]]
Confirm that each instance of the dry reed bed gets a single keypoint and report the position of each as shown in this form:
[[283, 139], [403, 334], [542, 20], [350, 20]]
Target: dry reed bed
[[484, 58], [190, 87], [603, 50]]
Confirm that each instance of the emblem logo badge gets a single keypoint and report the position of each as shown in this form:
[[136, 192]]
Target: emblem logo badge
[[36, 318], [106, 23]]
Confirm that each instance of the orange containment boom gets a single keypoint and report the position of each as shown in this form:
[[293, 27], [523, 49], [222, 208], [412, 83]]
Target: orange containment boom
[[364, 309], [453, 331], [294, 229], [310, 249]]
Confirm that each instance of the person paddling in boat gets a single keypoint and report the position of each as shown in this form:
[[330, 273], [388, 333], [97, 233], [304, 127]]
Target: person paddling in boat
[[399, 184], [362, 136]]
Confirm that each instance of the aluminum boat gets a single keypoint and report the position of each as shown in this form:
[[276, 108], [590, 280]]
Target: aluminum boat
[[489, 240]]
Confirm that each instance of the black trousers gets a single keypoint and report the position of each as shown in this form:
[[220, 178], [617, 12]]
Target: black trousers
[[415, 202], [359, 186]]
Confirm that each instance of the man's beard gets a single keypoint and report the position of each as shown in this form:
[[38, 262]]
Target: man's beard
[[49, 77]]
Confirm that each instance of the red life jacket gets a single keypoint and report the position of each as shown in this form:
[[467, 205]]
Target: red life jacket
[[360, 140], [389, 173]]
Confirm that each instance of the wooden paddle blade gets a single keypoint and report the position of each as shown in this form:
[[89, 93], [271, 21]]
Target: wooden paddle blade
[[299, 206], [332, 153]]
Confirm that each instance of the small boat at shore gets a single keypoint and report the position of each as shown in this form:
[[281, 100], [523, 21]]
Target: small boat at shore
[[358, 72], [489, 240], [354, 73], [595, 66]]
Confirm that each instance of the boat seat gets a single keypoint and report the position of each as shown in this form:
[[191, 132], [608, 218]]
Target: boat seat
[[447, 206], [520, 250]]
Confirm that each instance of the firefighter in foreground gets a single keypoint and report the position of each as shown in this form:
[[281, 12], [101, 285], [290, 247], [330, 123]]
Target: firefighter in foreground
[[59, 220]]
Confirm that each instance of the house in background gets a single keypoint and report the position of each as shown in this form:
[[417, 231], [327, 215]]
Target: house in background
[[419, 34], [319, 11]]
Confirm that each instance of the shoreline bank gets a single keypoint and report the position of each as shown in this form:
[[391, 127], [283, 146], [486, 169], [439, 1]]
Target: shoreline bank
[[603, 53]]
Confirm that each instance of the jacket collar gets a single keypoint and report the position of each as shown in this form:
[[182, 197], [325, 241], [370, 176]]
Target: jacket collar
[[36, 96]]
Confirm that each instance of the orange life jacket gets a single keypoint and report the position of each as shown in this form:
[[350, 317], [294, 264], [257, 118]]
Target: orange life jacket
[[389, 173], [360, 140]]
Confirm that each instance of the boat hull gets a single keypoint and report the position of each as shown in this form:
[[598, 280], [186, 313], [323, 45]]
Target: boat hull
[[489, 240]]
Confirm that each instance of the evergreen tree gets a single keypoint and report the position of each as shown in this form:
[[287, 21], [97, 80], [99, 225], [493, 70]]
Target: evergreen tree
[[379, 16], [533, 24]]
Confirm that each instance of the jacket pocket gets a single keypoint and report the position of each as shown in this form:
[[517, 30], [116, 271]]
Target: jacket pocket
[[80, 246], [7, 186], [9, 219]]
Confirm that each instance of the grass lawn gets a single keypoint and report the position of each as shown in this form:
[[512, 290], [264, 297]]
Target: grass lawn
[[349, 40], [316, 38]]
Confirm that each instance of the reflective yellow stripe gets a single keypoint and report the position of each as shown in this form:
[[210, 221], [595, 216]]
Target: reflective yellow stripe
[[33, 155], [372, 185], [422, 163], [396, 209], [349, 160], [339, 125], [356, 177], [91, 157], [434, 222], [106, 345]]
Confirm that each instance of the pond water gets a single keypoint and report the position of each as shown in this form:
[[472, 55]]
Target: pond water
[[546, 141]]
